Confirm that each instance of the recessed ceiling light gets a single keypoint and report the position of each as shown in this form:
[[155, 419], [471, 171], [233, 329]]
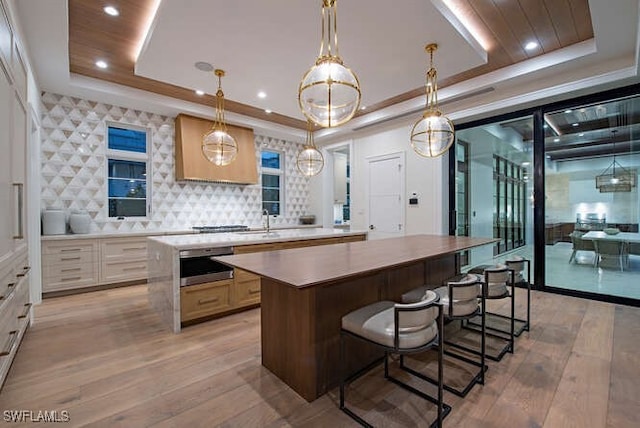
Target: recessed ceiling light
[[110, 10], [556, 140], [363, 108], [574, 124], [548, 156], [262, 94], [199, 92], [581, 134], [101, 64], [203, 66], [267, 111], [568, 111], [545, 126], [526, 163], [531, 46]]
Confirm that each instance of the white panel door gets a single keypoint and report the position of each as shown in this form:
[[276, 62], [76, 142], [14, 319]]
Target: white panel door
[[386, 190], [6, 186]]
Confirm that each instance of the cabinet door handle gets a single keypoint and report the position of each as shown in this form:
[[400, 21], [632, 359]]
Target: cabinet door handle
[[254, 291], [134, 248], [132, 268], [70, 270], [209, 300], [18, 189], [68, 259], [72, 278], [70, 250], [11, 342], [27, 308]]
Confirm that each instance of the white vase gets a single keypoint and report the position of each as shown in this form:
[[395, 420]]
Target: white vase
[[79, 221]]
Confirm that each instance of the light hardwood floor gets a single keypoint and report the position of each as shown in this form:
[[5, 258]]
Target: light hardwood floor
[[106, 359]]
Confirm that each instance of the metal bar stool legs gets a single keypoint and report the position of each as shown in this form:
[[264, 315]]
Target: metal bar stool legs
[[396, 329], [461, 302]]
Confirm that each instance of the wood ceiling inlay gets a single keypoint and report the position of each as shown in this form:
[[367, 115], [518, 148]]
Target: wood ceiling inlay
[[506, 24]]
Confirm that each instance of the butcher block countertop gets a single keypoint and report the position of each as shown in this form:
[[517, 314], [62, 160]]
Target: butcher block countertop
[[304, 267]]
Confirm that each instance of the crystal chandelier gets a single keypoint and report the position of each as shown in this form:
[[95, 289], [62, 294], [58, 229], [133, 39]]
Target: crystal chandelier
[[310, 161], [218, 146], [433, 134], [329, 93]]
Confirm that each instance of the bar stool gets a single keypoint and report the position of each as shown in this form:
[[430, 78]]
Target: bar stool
[[517, 264], [396, 329], [496, 280], [461, 300]]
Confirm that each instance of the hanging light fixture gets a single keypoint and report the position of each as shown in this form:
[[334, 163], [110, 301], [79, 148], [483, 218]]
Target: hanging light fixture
[[329, 93], [616, 178], [433, 134], [310, 161], [218, 146]]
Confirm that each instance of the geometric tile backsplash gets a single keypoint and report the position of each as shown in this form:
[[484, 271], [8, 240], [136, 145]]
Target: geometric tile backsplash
[[73, 157]]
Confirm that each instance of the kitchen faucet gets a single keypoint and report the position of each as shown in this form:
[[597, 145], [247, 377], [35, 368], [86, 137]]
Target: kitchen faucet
[[266, 212]]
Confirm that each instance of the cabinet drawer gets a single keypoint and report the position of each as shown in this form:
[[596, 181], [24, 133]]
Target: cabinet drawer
[[8, 320], [69, 259], [118, 271], [353, 238], [254, 248], [197, 301], [242, 275], [66, 248], [7, 284], [69, 280], [247, 292], [124, 249]]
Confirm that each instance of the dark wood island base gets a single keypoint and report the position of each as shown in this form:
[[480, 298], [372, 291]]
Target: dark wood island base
[[306, 291]]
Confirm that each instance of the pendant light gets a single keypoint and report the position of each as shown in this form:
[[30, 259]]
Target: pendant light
[[329, 93], [218, 146], [616, 178], [310, 161], [433, 134]]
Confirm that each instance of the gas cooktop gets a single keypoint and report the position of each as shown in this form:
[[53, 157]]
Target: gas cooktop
[[221, 229]]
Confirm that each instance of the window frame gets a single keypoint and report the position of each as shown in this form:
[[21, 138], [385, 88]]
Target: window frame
[[274, 171], [125, 155]]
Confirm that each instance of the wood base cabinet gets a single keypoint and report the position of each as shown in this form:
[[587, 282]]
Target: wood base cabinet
[[69, 264]]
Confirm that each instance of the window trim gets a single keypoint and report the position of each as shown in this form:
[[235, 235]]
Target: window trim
[[116, 154], [274, 171]]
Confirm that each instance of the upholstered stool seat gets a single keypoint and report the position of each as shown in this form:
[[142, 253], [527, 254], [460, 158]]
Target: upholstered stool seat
[[400, 329], [376, 323]]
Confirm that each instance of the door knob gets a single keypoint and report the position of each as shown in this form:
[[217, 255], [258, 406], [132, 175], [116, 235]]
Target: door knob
[[371, 227]]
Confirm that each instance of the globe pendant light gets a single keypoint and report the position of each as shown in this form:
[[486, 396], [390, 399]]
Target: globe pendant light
[[218, 146], [310, 161], [329, 93], [433, 134]]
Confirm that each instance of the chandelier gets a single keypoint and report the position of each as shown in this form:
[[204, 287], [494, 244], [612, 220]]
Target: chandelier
[[329, 93], [310, 161], [433, 134], [218, 146], [616, 178]]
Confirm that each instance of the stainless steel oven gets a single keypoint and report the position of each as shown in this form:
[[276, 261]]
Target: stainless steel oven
[[197, 266]]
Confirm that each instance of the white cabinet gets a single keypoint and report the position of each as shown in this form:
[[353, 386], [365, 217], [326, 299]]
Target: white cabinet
[[14, 265], [340, 178], [69, 264], [74, 263], [123, 259]]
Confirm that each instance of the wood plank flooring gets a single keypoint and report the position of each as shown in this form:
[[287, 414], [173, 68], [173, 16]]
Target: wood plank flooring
[[106, 359]]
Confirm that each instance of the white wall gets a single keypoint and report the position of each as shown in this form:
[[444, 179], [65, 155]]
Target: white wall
[[426, 177]]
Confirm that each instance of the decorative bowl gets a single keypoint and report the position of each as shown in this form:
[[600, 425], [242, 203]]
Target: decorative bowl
[[611, 230]]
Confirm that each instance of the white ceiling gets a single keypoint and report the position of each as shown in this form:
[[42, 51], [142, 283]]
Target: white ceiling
[[268, 45]]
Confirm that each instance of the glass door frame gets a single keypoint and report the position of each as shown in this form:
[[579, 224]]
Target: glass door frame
[[538, 113]]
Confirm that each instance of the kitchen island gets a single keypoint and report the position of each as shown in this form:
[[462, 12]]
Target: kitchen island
[[240, 290], [306, 291]]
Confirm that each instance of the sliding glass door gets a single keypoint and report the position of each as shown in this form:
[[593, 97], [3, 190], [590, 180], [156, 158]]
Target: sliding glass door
[[492, 169]]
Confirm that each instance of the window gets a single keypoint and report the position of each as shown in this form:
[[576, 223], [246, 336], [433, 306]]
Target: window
[[127, 167], [272, 181]]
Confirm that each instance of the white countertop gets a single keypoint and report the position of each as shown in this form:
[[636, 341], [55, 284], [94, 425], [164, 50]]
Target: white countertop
[[207, 240], [149, 232]]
